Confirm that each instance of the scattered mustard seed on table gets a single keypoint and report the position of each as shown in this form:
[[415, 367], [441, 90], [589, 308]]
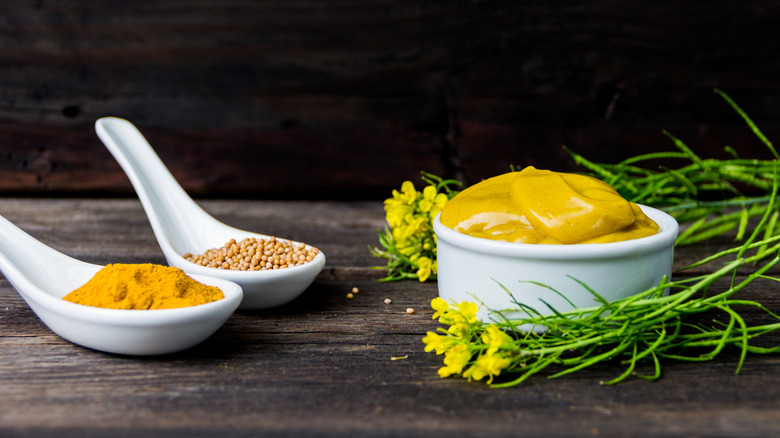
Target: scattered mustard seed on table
[[253, 254]]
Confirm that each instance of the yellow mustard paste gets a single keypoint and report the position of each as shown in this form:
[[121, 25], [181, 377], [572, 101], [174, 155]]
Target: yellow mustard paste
[[541, 206]]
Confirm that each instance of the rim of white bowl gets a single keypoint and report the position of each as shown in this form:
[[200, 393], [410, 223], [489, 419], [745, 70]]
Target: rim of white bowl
[[668, 229]]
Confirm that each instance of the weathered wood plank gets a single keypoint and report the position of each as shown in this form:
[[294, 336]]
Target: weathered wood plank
[[323, 365]]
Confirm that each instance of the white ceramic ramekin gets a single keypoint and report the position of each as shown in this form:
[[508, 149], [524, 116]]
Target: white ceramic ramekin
[[475, 269]]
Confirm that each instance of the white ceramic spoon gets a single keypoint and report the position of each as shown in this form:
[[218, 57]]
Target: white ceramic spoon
[[42, 276], [182, 227]]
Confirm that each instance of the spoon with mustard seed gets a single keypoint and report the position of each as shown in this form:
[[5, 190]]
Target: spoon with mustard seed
[[43, 276], [195, 242]]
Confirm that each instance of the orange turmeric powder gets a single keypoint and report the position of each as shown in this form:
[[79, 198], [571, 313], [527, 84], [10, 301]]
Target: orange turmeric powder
[[142, 287]]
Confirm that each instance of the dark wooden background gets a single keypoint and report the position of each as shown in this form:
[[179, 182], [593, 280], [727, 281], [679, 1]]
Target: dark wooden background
[[345, 99]]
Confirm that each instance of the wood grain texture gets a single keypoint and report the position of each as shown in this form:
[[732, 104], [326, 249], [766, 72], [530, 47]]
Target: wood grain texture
[[344, 99], [323, 365]]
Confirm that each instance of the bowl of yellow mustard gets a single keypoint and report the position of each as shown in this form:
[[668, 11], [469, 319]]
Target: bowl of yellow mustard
[[542, 242]]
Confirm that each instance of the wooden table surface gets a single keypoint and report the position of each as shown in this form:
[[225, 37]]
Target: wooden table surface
[[324, 365]]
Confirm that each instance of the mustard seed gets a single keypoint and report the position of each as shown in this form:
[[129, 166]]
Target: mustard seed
[[252, 254], [409, 310], [350, 296]]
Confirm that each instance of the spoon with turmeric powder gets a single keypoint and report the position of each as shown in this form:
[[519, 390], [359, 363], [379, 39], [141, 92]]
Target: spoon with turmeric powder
[[43, 276], [271, 271]]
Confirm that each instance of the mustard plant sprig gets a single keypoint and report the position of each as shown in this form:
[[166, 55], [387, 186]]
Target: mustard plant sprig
[[408, 242], [715, 196], [638, 331]]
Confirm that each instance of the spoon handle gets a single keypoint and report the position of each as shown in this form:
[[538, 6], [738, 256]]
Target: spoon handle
[[170, 210], [25, 261]]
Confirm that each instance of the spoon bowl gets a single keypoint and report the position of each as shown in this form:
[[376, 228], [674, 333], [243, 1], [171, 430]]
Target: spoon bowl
[[42, 276], [182, 227]]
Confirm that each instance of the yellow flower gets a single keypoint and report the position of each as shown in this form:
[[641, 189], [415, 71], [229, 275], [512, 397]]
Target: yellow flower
[[462, 320], [415, 224], [469, 311], [455, 359], [495, 339], [440, 306], [428, 195], [489, 365], [432, 202], [401, 204], [399, 233], [438, 204], [425, 266], [435, 341], [466, 313], [408, 193], [396, 211], [402, 242]]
